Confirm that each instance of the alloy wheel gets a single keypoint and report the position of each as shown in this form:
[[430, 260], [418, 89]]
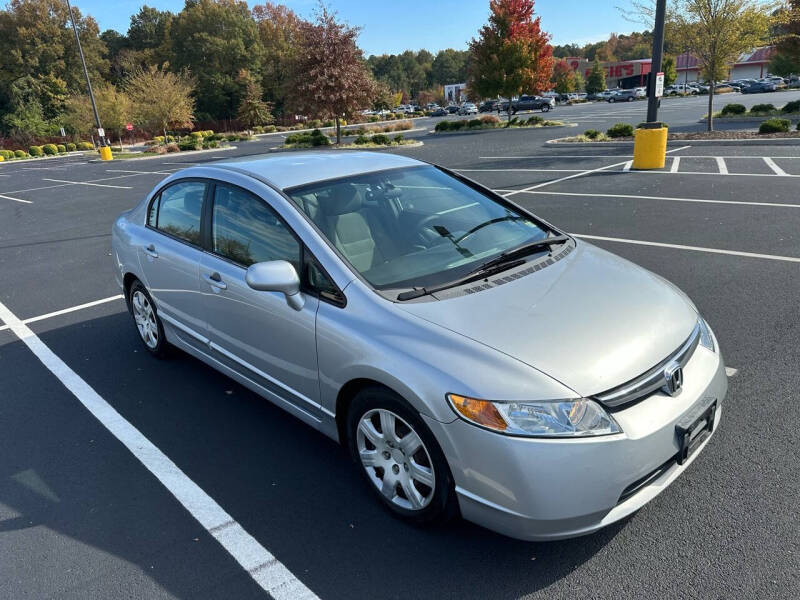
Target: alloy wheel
[[145, 318], [395, 459]]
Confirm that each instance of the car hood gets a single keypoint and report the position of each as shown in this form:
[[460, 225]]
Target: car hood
[[592, 320]]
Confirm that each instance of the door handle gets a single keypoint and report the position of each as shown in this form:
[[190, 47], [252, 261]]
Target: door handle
[[214, 280], [150, 250]]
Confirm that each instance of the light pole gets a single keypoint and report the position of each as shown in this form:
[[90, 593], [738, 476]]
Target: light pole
[[88, 82], [655, 67]]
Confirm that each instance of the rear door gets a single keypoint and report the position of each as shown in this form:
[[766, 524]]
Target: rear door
[[257, 333], [170, 259]]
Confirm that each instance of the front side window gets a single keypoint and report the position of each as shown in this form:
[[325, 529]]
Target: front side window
[[178, 211], [413, 227], [245, 230]]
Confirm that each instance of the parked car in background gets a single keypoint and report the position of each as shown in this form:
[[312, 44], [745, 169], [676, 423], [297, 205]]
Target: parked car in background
[[622, 96], [778, 81], [759, 87], [471, 358], [526, 102], [468, 108], [488, 106], [440, 112], [641, 92], [604, 95], [452, 108]]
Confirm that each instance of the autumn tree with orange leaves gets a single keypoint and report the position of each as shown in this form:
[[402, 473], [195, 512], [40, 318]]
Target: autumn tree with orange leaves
[[512, 54]]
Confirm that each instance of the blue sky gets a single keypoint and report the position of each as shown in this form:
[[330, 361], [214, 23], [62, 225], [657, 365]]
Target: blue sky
[[391, 27]]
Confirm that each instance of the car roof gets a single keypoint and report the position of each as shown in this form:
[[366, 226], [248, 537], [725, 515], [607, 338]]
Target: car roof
[[291, 169]]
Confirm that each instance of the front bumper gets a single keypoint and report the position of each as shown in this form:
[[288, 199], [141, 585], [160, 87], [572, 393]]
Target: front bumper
[[547, 489]]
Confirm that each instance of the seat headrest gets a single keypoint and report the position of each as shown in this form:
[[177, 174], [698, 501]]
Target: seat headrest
[[342, 198]]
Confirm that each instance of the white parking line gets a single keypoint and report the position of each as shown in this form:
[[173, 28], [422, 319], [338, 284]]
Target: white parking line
[[771, 164], [723, 168], [587, 172], [792, 259], [65, 311], [627, 166], [520, 170], [64, 181], [676, 162], [137, 172], [273, 577], [667, 198], [16, 199], [731, 372]]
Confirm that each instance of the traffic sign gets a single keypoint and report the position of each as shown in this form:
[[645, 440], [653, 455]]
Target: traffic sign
[[101, 132], [63, 133], [129, 127], [659, 85]]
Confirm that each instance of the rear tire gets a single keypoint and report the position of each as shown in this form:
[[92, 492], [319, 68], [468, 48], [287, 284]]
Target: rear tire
[[400, 458], [611, 100], [145, 317], [546, 108]]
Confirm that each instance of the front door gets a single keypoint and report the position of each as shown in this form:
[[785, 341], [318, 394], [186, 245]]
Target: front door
[[257, 333]]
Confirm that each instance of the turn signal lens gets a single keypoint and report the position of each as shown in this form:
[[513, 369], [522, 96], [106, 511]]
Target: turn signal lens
[[481, 412]]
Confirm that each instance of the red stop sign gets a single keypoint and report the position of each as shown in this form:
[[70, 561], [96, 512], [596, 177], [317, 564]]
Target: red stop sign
[[129, 127]]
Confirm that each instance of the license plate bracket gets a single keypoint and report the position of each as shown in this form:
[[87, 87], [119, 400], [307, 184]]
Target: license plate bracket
[[693, 429]]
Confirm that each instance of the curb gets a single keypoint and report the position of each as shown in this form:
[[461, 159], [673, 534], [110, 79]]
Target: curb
[[445, 133], [183, 152], [791, 116], [416, 144], [17, 161], [723, 142]]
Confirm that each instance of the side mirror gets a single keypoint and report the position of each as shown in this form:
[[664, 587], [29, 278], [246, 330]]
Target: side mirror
[[276, 276]]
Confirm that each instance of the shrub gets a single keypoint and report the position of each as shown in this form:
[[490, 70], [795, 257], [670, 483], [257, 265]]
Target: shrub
[[210, 144], [85, 146], [20, 153], [50, 149], [159, 139], [592, 134], [733, 109], [442, 126], [196, 135], [798, 129], [380, 138], [775, 125], [361, 139], [791, 107], [489, 119], [62, 149], [269, 128], [403, 125], [762, 108], [232, 137], [71, 147], [534, 120], [36, 151], [6, 154], [398, 138], [473, 123], [620, 130], [189, 144], [156, 150], [173, 147]]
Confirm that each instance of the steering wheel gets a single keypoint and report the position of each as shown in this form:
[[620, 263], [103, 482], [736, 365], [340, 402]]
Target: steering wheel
[[423, 224]]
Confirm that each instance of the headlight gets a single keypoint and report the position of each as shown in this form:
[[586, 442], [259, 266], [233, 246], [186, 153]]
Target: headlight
[[706, 337], [562, 418]]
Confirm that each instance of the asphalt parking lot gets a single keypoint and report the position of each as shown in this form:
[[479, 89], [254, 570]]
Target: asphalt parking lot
[[81, 517]]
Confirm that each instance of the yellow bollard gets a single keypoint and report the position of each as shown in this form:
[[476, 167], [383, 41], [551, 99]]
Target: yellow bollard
[[649, 148], [105, 153], [1, 158]]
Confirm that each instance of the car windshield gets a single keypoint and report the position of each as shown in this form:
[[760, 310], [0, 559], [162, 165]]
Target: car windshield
[[415, 226]]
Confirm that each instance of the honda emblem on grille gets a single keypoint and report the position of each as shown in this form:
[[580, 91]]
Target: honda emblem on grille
[[673, 375]]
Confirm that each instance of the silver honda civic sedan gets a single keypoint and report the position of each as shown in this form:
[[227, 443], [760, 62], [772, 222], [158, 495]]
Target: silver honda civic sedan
[[473, 358]]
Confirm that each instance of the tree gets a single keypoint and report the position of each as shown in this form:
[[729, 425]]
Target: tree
[[580, 84], [252, 109], [563, 78], [784, 64], [329, 78], [668, 68], [786, 60], [512, 54], [215, 40], [717, 32], [161, 99], [596, 81], [278, 30], [449, 66], [115, 108]]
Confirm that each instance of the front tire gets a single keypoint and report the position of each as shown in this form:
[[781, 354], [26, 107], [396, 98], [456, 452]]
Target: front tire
[[546, 108], [399, 457], [145, 316]]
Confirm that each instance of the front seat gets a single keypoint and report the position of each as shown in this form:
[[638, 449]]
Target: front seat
[[348, 229]]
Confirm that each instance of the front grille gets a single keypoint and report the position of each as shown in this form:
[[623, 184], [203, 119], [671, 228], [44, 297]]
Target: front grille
[[652, 379]]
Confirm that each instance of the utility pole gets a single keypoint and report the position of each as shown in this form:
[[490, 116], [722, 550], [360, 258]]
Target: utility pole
[[655, 67], [100, 132]]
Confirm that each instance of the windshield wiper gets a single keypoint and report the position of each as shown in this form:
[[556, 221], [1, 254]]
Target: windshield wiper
[[522, 250], [479, 273], [503, 262]]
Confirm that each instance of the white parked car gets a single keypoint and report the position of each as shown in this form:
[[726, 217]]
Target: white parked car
[[468, 108]]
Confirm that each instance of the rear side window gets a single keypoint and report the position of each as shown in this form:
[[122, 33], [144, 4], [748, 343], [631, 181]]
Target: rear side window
[[178, 211], [245, 230]]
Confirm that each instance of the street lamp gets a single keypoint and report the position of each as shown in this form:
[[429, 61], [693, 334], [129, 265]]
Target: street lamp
[[655, 66], [100, 132]]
